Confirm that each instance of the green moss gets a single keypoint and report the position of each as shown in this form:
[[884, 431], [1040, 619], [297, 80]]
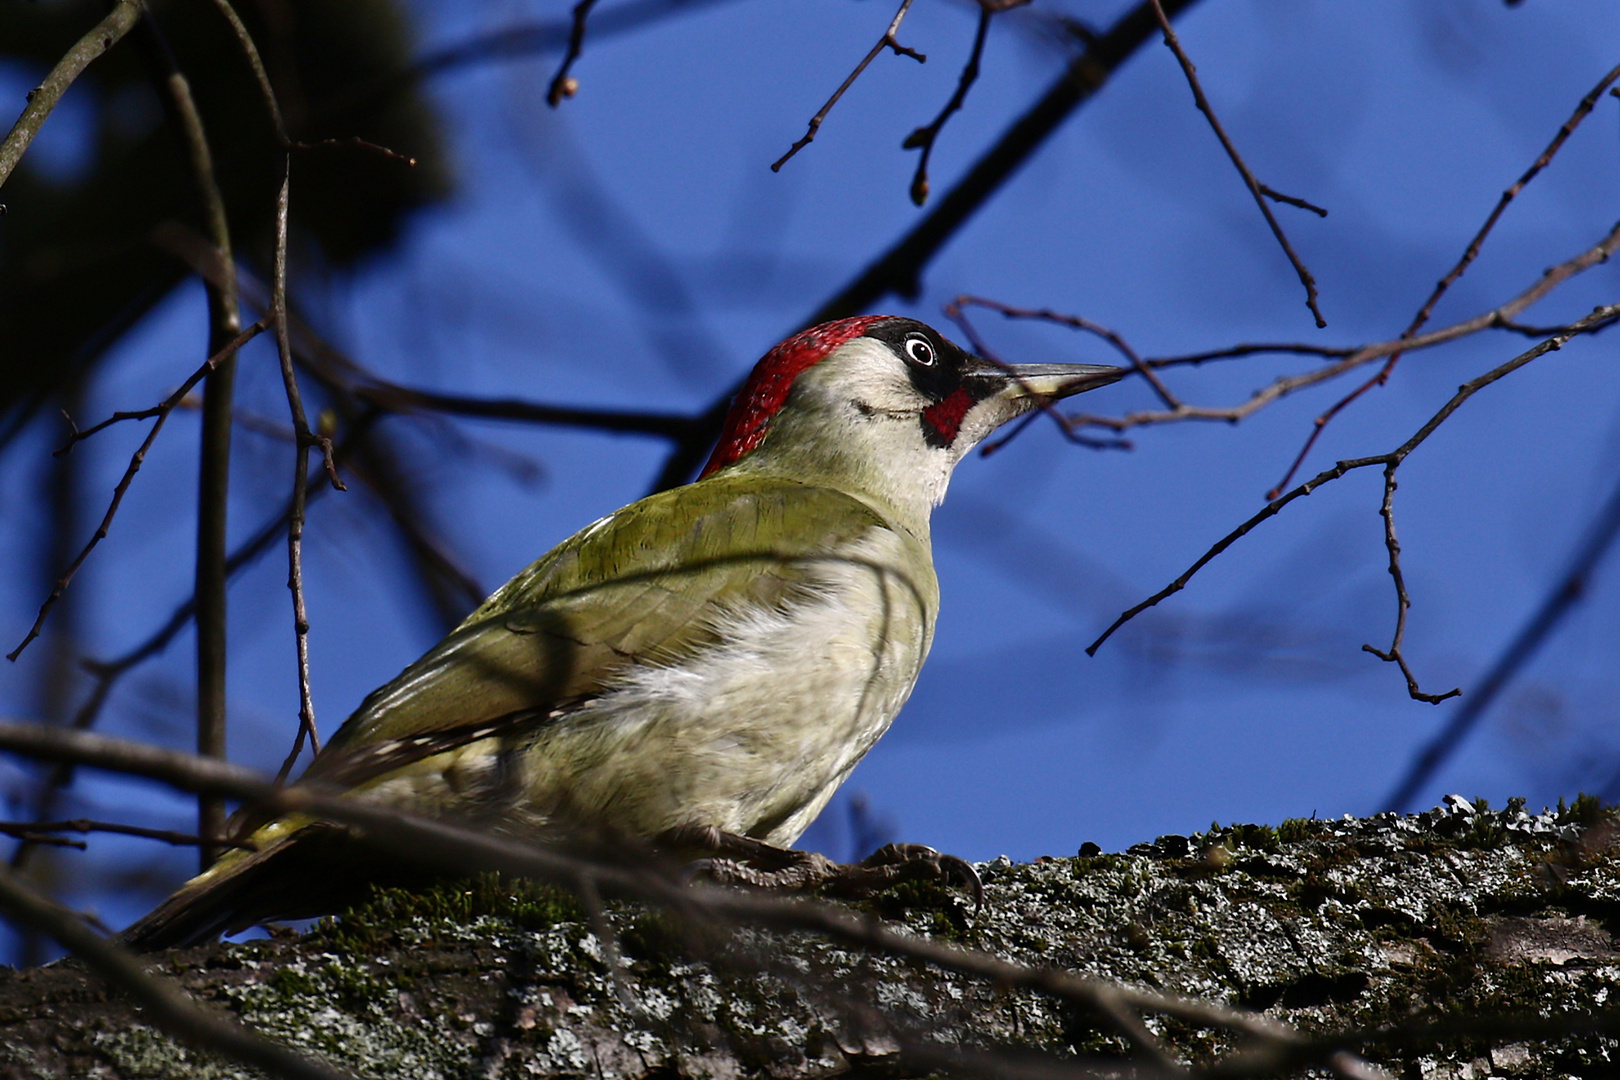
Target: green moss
[[375, 920], [1295, 829]]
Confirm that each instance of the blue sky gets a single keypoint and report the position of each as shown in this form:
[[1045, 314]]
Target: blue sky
[[633, 249]]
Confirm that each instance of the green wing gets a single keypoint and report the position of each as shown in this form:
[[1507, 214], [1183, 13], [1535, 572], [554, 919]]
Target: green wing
[[641, 585]]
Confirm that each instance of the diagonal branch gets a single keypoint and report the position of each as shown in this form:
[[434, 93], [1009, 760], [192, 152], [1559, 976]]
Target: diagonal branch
[[43, 98], [887, 41], [162, 412], [1258, 190]]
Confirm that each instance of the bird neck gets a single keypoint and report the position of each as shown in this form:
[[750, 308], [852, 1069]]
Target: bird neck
[[878, 458]]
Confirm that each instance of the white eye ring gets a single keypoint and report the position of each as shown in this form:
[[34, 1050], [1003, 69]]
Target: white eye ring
[[918, 349]]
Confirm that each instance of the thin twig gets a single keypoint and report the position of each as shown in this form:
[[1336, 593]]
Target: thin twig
[[924, 137], [564, 85], [1254, 186], [267, 92], [1469, 254], [1403, 601], [1598, 317], [306, 439], [954, 312], [163, 1004], [43, 98], [1292, 200], [161, 412], [1076, 322], [1571, 587], [887, 41]]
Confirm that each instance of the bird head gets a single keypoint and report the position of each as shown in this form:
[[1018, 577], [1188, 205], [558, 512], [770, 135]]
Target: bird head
[[883, 406]]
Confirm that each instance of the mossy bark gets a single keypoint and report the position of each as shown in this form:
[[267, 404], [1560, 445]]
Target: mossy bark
[[1324, 925]]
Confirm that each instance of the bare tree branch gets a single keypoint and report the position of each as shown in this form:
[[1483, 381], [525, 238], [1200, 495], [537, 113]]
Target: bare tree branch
[[34, 832], [1255, 187], [1571, 587], [1469, 254], [887, 41], [43, 98], [924, 137], [1600, 316], [1402, 600], [161, 411], [306, 439]]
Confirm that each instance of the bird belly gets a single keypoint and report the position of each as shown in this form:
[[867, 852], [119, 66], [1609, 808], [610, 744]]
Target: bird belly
[[754, 733]]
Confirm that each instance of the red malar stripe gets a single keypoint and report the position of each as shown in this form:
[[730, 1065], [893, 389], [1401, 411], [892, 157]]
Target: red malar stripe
[[946, 417]]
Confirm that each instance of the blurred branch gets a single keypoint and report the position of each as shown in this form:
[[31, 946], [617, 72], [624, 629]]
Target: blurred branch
[[1469, 254], [165, 1006], [899, 269], [43, 98], [1570, 589], [35, 832], [161, 411], [564, 85], [887, 41], [214, 451], [1258, 190], [1600, 316], [394, 398]]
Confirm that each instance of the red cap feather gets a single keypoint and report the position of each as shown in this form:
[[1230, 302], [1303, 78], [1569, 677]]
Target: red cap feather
[[768, 384]]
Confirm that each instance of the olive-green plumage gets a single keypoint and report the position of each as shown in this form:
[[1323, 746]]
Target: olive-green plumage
[[718, 656]]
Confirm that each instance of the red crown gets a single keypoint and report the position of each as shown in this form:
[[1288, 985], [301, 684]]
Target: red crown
[[761, 397]]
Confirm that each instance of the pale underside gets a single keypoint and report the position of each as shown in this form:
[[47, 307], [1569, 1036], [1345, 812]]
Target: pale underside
[[592, 689]]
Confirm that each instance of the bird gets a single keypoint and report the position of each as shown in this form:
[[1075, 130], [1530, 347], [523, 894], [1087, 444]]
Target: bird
[[711, 661]]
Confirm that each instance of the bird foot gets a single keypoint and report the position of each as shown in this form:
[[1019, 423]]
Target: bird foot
[[742, 860]]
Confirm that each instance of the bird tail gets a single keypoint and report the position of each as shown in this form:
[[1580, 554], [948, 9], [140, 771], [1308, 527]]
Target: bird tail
[[210, 904], [309, 869]]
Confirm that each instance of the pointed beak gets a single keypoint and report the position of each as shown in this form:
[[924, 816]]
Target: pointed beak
[[1051, 381]]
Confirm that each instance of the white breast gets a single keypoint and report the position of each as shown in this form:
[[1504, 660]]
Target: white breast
[[754, 734]]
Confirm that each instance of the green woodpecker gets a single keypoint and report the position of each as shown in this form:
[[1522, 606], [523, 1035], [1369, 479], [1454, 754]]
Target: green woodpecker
[[713, 659]]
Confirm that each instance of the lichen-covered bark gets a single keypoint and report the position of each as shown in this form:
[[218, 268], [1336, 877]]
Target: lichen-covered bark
[[1325, 925]]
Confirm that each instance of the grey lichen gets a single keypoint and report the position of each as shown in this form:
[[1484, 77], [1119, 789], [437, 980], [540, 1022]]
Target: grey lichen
[[1326, 925]]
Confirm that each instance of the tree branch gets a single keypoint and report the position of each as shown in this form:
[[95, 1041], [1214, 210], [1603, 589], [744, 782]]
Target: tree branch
[[43, 98]]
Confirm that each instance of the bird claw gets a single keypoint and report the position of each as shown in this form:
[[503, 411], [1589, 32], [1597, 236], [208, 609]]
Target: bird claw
[[741, 860], [894, 863]]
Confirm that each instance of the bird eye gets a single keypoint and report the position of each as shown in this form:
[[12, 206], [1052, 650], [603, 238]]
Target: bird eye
[[920, 351]]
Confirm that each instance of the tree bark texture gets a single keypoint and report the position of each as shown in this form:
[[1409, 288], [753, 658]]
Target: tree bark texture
[[1377, 923]]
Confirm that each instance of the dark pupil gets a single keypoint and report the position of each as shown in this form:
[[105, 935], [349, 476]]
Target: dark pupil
[[920, 351]]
